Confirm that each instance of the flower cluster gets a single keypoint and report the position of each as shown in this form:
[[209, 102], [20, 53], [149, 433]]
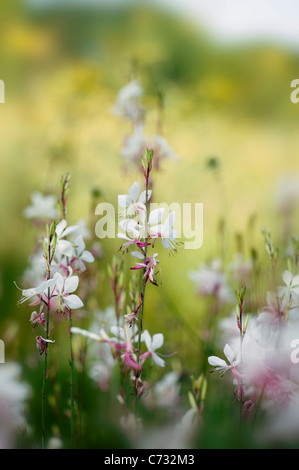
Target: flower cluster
[[261, 365], [56, 292], [140, 228], [129, 106]]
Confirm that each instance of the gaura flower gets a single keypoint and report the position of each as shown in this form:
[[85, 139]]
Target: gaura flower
[[38, 291], [134, 202], [221, 365], [41, 344], [152, 344], [128, 104], [149, 266], [80, 256], [289, 292], [167, 233], [42, 207], [64, 247], [63, 292]]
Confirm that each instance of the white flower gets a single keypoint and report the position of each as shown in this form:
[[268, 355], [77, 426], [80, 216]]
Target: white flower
[[36, 291], [289, 292], [120, 333], [134, 145], [64, 289], [134, 203], [166, 232], [210, 280], [128, 101], [162, 149], [221, 364], [82, 256], [64, 247], [42, 207], [152, 345]]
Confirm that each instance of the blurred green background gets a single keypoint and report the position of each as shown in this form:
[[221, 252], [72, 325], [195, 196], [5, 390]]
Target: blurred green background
[[62, 69]]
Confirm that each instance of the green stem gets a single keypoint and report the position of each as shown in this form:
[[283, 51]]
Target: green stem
[[72, 379], [48, 269], [143, 295], [45, 378]]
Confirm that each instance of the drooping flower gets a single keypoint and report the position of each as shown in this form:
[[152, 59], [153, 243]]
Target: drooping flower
[[129, 356], [41, 344]]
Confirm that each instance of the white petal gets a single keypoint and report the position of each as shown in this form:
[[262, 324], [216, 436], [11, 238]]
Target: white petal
[[142, 197], [156, 216], [229, 353], [87, 257], [124, 200], [146, 337], [122, 236], [59, 281], [160, 362], [287, 277], [157, 342], [169, 223], [71, 229], [65, 247], [295, 281], [73, 301], [71, 284], [80, 245], [137, 254], [60, 227], [86, 333], [134, 191], [216, 361]]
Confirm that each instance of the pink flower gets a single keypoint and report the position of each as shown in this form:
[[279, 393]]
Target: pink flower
[[149, 266], [41, 344]]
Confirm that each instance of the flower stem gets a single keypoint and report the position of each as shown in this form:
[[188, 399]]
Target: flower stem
[[142, 298], [45, 379], [72, 379], [45, 376]]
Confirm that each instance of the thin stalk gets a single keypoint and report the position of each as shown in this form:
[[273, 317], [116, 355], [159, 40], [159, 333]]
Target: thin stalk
[[45, 375], [142, 295], [72, 379]]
